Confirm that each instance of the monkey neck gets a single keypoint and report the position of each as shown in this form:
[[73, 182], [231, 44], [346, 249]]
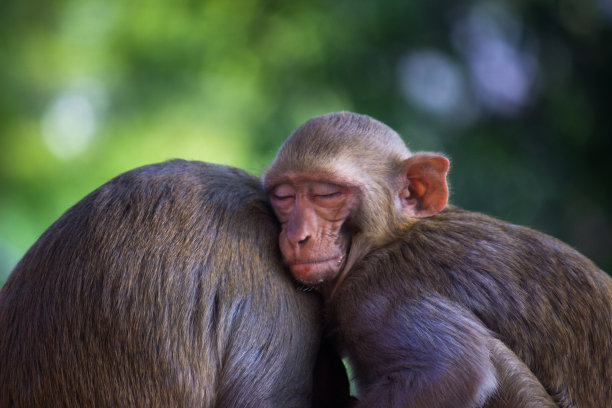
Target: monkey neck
[[362, 244]]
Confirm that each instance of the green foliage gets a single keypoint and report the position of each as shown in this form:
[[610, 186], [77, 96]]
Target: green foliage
[[91, 88]]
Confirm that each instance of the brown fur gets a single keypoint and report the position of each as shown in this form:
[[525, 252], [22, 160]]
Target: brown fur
[[518, 386], [545, 301], [453, 310], [163, 287]]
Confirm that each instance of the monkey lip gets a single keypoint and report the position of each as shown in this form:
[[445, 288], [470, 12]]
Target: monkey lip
[[315, 271]]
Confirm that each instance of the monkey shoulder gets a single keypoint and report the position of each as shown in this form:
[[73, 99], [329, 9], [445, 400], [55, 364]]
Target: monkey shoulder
[[500, 272], [471, 240]]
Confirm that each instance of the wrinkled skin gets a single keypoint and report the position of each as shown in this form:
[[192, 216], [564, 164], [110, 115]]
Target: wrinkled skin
[[312, 213]]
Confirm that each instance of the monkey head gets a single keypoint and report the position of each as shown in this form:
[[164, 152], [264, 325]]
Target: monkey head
[[341, 183]]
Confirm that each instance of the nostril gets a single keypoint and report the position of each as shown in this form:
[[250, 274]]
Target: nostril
[[303, 241]]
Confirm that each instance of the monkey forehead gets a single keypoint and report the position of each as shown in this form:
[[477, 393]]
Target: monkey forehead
[[300, 178], [344, 148]]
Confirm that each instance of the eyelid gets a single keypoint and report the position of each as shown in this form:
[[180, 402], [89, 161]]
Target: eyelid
[[282, 192], [282, 197], [285, 196], [332, 194], [326, 189]]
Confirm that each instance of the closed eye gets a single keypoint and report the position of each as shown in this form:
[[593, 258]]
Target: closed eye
[[329, 200], [330, 195], [279, 197], [282, 201], [282, 193]]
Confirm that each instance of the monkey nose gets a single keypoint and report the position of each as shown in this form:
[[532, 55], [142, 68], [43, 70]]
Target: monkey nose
[[297, 240], [298, 231]]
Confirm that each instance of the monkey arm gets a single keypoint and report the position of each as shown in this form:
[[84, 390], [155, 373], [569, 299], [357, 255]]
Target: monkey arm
[[518, 386], [430, 352], [419, 353]]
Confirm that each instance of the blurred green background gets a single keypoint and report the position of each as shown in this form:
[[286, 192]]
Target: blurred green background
[[518, 93]]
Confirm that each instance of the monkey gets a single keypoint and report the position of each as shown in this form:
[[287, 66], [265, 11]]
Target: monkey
[[434, 305], [162, 287]]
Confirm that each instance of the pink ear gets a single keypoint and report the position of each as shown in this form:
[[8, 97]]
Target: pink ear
[[424, 191]]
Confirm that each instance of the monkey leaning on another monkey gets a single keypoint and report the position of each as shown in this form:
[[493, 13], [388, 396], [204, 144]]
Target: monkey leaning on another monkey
[[435, 306]]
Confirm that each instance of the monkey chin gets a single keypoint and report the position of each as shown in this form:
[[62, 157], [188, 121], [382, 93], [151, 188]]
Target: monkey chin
[[315, 273]]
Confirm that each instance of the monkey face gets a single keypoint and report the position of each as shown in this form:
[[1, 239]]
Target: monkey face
[[342, 180], [312, 212]]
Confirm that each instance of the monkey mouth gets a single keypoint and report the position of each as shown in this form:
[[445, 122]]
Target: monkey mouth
[[313, 272]]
